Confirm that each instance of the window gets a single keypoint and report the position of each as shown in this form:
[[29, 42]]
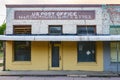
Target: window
[[86, 52], [113, 51], [55, 29], [22, 51], [22, 29], [113, 45], [114, 30], [86, 30]]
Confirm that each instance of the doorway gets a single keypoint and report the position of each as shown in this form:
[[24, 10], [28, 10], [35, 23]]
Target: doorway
[[55, 56]]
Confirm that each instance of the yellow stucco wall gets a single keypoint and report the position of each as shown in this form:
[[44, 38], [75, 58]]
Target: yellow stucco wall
[[70, 58], [40, 59]]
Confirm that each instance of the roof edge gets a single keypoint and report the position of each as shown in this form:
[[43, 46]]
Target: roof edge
[[52, 5]]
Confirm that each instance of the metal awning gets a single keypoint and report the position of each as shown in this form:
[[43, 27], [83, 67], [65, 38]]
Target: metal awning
[[59, 38]]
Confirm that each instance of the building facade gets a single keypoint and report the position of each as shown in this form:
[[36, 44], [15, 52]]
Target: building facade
[[62, 37], [111, 48]]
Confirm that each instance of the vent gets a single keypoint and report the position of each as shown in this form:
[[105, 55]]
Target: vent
[[22, 29]]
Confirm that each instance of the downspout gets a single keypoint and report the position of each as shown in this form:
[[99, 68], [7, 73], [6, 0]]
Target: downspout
[[4, 55], [117, 51]]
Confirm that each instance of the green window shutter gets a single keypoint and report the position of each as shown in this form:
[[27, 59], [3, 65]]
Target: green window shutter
[[114, 52], [119, 53]]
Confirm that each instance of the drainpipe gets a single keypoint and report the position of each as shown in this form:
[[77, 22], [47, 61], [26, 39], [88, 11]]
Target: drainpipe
[[117, 49], [4, 55]]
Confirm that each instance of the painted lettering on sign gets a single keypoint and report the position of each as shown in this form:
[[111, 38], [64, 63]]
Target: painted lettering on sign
[[54, 15]]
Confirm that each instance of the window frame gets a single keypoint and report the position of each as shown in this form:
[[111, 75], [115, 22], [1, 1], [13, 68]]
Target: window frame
[[115, 52], [55, 26], [15, 54], [114, 27], [94, 26], [112, 31], [22, 26], [95, 52]]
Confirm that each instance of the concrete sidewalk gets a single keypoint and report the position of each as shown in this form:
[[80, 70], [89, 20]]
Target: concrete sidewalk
[[59, 73]]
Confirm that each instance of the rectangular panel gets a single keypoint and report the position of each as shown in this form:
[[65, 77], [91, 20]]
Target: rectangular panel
[[114, 51], [115, 31], [55, 56], [55, 15]]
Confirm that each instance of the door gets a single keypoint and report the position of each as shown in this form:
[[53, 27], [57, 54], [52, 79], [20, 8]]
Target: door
[[55, 57]]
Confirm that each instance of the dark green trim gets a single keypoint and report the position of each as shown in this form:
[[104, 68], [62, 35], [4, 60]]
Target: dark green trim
[[114, 26]]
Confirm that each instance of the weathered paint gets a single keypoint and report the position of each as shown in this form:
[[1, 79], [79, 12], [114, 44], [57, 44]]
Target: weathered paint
[[60, 38], [108, 65], [42, 26], [40, 59], [70, 58]]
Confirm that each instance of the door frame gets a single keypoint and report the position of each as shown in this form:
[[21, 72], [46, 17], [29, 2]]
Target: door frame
[[60, 56]]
